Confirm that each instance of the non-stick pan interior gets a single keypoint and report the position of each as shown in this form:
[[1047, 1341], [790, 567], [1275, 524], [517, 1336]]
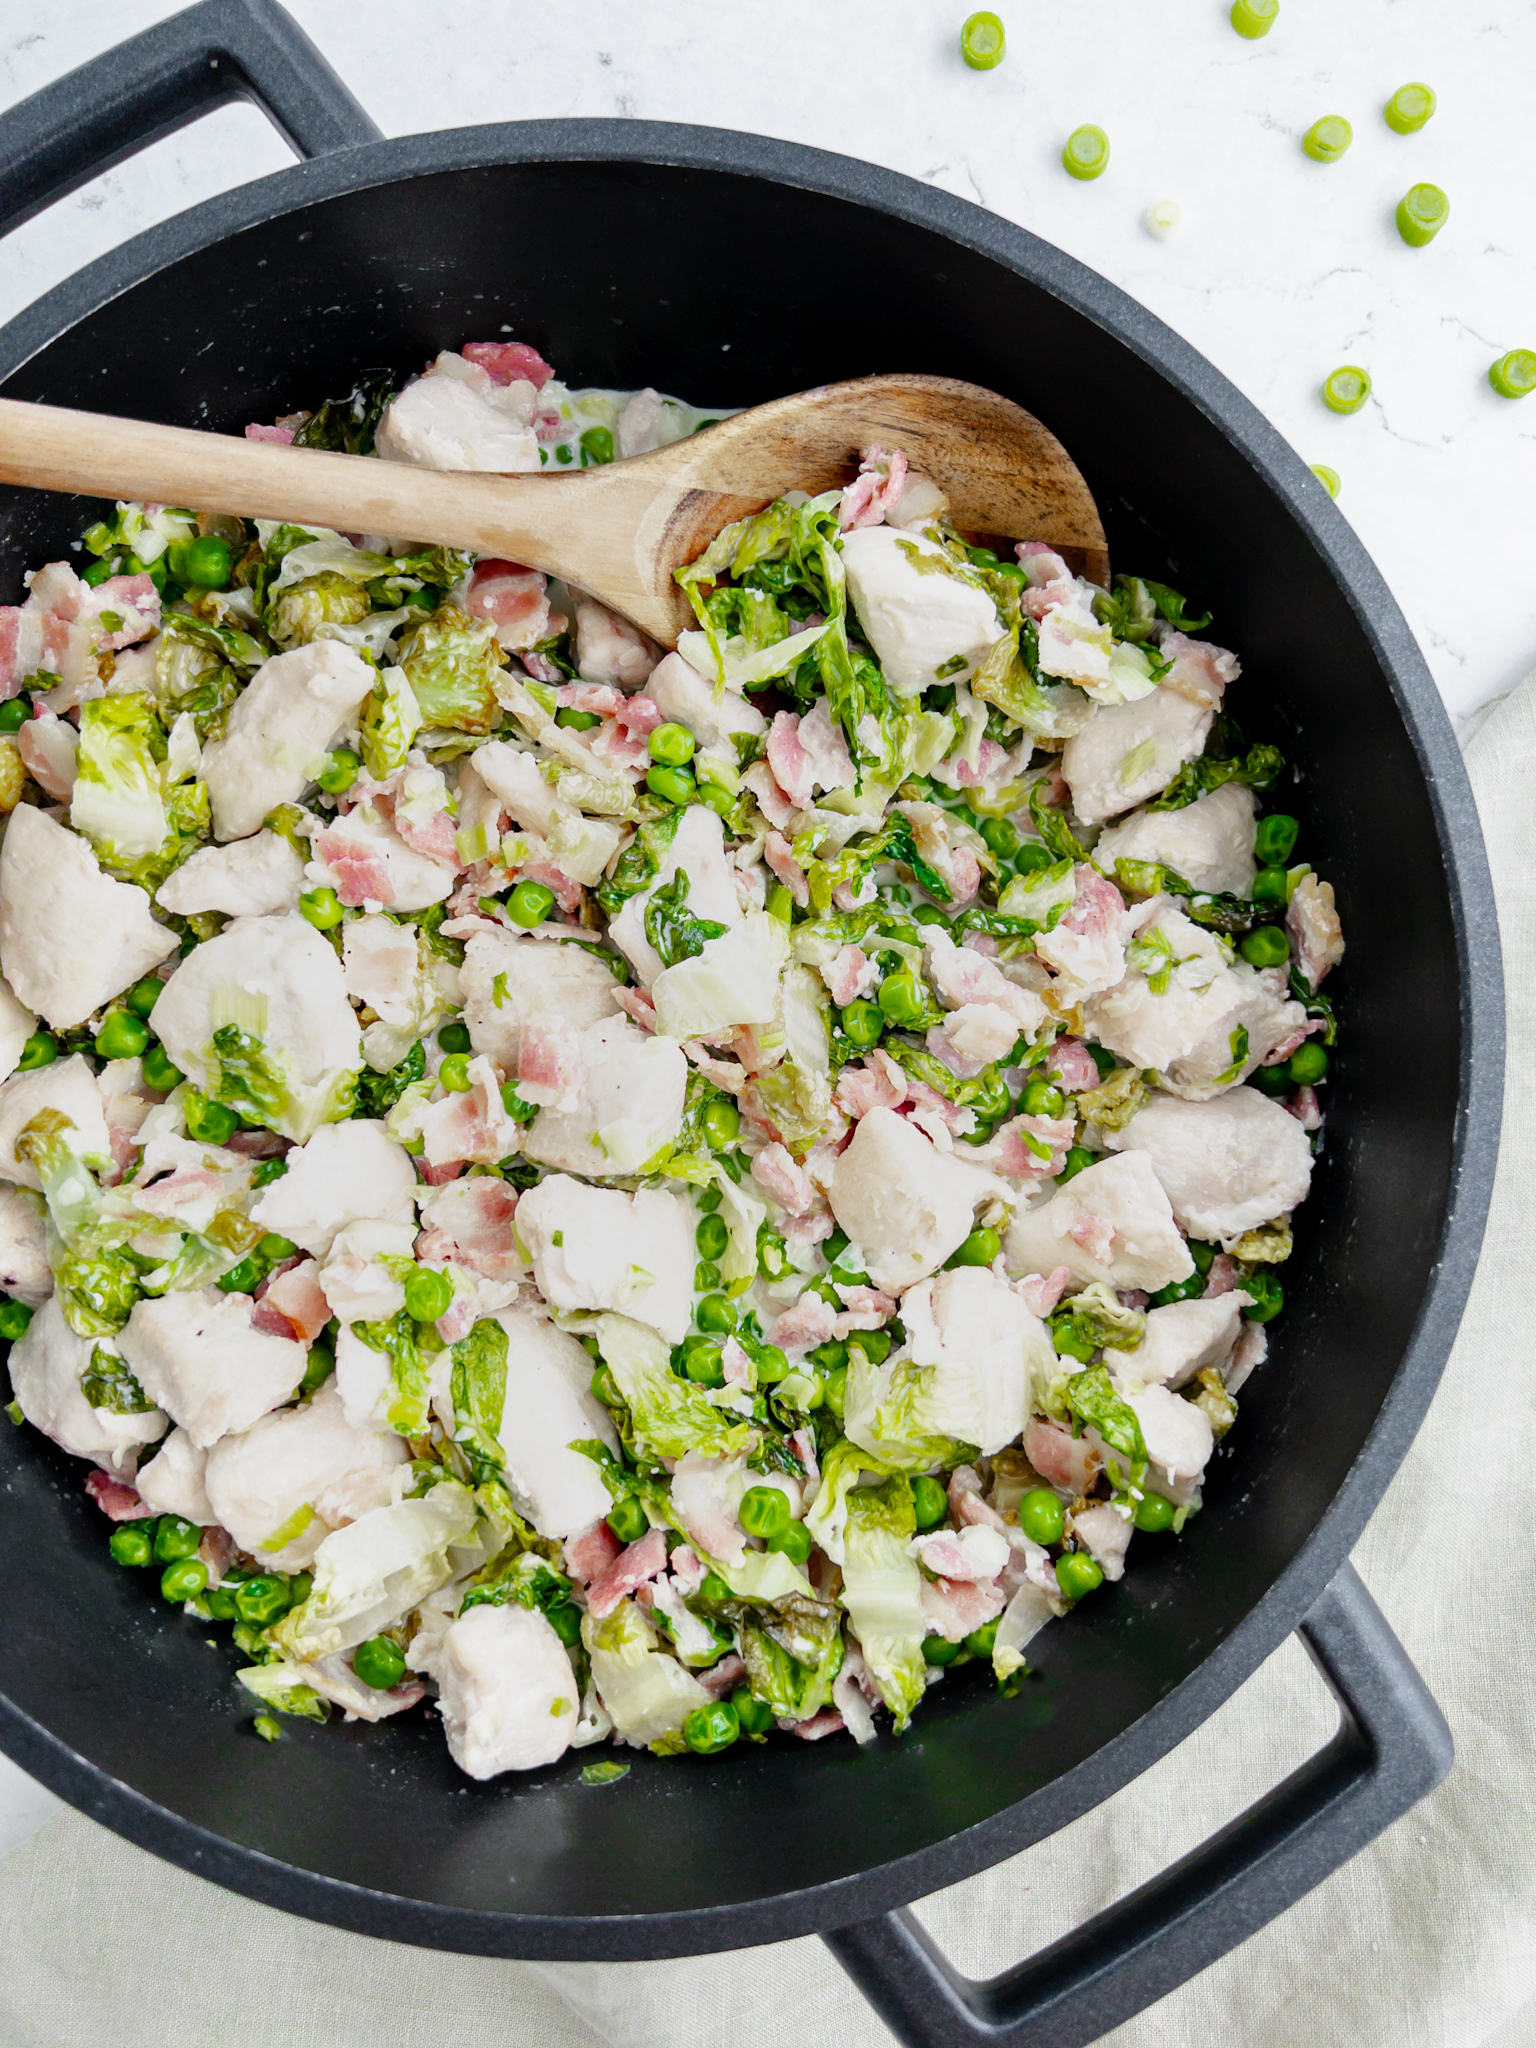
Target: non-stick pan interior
[[726, 290]]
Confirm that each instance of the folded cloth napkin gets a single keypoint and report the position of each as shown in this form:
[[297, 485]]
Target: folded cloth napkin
[[1427, 1940]]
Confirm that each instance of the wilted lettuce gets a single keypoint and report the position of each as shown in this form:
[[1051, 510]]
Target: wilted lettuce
[[648, 1693], [672, 1416], [882, 1592], [390, 720], [258, 1080], [479, 1385], [134, 796], [377, 1569], [409, 1406], [452, 662], [295, 615]]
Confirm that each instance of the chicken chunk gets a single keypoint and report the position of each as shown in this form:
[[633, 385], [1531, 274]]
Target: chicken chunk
[[1227, 1165], [549, 1406], [347, 1173], [380, 965], [1260, 1017], [580, 846], [983, 1349], [597, 1248], [364, 859], [1208, 842], [248, 878], [511, 983], [687, 698], [1181, 1341], [1129, 752], [197, 1354], [628, 1106], [698, 848], [25, 1274], [609, 649], [356, 1280], [1177, 1434], [279, 728], [259, 1481], [458, 417], [17, 1024], [45, 1366], [67, 1086], [507, 1693], [919, 617], [280, 982], [70, 937], [172, 1482], [1178, 989], [1113, 1223], [907, 1205], [1314, 927]]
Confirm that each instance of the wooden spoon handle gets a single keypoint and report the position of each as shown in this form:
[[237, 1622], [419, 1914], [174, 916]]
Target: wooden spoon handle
[[536, 520]]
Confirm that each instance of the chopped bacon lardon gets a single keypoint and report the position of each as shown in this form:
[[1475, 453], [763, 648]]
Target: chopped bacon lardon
[[256, 432], [736, 1365], [1009, 1152], [776, 807], [1050, 581], [779, 855], [1282, 1052], [864, 1308], [458, 1319], [636, 1005], [514, 599], [777, 1174], [1201, 671], [508, 362], [876, 1083], [1073, 1065], [116, 1499], [629, 1571], [548, 1065], [723, 1678], [1305, 1108], [848, 975], [1105, 1535], [953, 1608], [1222, 1278], [1096, 1235], [472, 1228], [362, 875], [827, 1722], [435, 838], [808, 1323], [622, 738], [592, 1553], [789, 761], [1040, 1292], [438, 1176], [1097, 906], [295, 1295], [876, 489], [930, 1110], [1062, 1459], [688, 1569], [565, 892]]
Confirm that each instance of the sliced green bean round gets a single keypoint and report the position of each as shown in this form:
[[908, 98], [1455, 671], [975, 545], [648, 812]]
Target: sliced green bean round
[[1421, 213], [1514, 375], [982, 41], [1326, 140], [1347, 388], [1409, 108], [1087, 152]]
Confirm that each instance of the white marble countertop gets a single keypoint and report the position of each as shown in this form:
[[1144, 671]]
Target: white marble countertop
[[1279, 270]]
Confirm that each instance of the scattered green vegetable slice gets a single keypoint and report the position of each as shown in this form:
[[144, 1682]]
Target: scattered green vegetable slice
[[982, 42], [1421, 213], [1327, 139], [1254, 18], [1409, 108], [1347, 388], [1328, 478], [1087, 152], [1162, 217], [1514, 375]]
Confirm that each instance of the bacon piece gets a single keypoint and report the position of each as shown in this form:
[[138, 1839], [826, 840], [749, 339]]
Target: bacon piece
[[117, 1500], [514, 599], [1305, 1108], [808, 1323], [789, 761], [777, 1174], [1007, 1151], [877, 1083], [1096, 1235], [846, 976], [952, 1608], [623, 737], [928, 1102], [636, 1005], [459, 1318], [283, 436], [438, 1175], [779, 855], [1106, 1536], [1222, 1278], [943, 1047], [362, 875], [629, 1571], [592, 1553], [508, 362], [1096, 907], [773, 803], [1313, 924], [567, 893], [723, 1677], [548, 1065], [1040, 1292], [217, 1550], [801, 1232], [469, 1124], [1282, 1052], [864, 1308], [1050, 581], [875, 490], [1062, 1459], [1073, 1065], [735, 1364], [295, 1295], [257, 1144], [1201, 671], [599, 700], [434, 838], [688, 1569], [827, 1722], [471, 1225]]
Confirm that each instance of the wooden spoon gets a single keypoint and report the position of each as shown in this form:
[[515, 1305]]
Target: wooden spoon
[[618, 531]]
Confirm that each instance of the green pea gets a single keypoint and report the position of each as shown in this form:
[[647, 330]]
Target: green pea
[[708, 1199], [1326, 140], [144, 995], [716, 1314], [672, 785], [1274, 839], [1078, 1157], [710, 1729], [1422, 212], [379, 1663], [322, 907], [1077, 1574], [672, 745], [706, 1277], [454, 1036], [221, 1603], [242, 1278], [576, 721], [1087, 152], [1347, 388], [875, 1345], [131, 1545], [40, 1050], [1042, 1516], [712, 1237], [322, 1363], [834, 1389], [204, 563], [160, 1071], [1000, 836], [1271, 885], [529, 904], [565, 1620], [261, 1600], [1204, 1255], [781, 904], [1154, 1515], [628, 1519], [721, 1125], [122, 1036], [764, 1512], [1070, 1343], [715, 799], [829, 1356], [981, 1640], [1268, 1296], [1179, 1290], [275, 1249], [176, 1537], [755, 1716], [14, 1318], [901, 999], [596, 447], [979, 1249], [1032, 857], [184, 1580], [1254, 18], [15, 712], [930, 1503], [428, 1295], [1265, 946], [1043, 1098], [1307, 1064], [702, 1361], [982, 41], [454, 1073], [1512, 376], [1328, 478], [772, 1365], [1409, 108], [928, 913], [863, 1023], [340, 771], [938, 1650], [520, 1112]]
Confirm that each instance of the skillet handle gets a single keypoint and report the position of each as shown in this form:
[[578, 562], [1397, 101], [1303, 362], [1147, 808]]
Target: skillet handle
[[1392, 1747], [119, 103]]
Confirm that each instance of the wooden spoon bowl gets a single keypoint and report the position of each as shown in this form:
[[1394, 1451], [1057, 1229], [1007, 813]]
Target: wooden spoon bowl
[[618, 531]]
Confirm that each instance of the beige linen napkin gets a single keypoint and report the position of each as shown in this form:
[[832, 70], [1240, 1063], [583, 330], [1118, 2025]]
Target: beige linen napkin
[[1427, 1940]]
